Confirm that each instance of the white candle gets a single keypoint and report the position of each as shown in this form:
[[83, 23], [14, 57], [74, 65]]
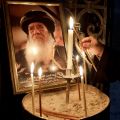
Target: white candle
[[40, 105], [83, 89], [40, 72], [77, 61], [33, 96], [77, 58], [70, 45], [81, 73]]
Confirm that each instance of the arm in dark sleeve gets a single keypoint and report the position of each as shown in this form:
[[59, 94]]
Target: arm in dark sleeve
[[107, 70]]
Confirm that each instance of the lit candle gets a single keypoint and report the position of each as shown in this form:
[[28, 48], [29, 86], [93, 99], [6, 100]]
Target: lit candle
[[81, 73], [77, 61], [83, 89], [84, 64], [70, 45], [40, 105], [78, 85], [77, 58], [53, 68], [32, 80]]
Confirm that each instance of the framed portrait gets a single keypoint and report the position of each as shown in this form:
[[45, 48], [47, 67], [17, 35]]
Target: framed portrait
[[36, 37]]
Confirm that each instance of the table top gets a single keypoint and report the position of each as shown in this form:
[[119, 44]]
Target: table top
[[54, 106]]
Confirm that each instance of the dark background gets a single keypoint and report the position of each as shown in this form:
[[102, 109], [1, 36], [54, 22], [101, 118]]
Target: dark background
[[115, 43], [10, 104]]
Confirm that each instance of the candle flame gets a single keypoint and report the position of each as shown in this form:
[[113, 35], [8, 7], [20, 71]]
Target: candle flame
[[77, 58], [40, 72], [32, 68], [71, 23], [81, 71], [53, 68]]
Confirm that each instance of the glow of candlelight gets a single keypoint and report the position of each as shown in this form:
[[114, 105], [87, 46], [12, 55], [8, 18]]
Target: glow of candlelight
[[40, 72], [34, 50], [53, 68]]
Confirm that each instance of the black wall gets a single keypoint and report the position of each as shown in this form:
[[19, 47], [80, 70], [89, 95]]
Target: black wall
[[115, 43], [115, 23]]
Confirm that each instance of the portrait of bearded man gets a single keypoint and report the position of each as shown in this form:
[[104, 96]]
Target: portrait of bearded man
[[40, 47]]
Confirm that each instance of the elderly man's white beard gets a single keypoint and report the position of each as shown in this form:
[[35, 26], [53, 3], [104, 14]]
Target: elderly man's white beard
[[37, 51]]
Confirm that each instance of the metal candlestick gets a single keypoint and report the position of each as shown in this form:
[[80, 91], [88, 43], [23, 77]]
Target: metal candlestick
[[69, 77]]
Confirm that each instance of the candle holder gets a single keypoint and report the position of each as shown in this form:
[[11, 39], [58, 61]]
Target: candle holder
[[69, 77]]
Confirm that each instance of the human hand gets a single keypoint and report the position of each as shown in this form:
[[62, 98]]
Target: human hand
[[91, 44]]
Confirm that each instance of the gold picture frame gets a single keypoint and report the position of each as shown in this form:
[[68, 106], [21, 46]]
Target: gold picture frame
[[17, 39]]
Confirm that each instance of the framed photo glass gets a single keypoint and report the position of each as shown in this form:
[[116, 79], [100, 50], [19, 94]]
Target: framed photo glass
[[36, 36]]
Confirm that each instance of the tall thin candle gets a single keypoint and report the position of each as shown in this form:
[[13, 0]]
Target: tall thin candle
[[84, 66], [83, 89], [40, 105], [70, 45], [32, 80]]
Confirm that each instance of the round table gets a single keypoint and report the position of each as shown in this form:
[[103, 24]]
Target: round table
[[54, 106]]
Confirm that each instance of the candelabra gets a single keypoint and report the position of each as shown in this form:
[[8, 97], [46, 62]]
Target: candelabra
[[86, 60]]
